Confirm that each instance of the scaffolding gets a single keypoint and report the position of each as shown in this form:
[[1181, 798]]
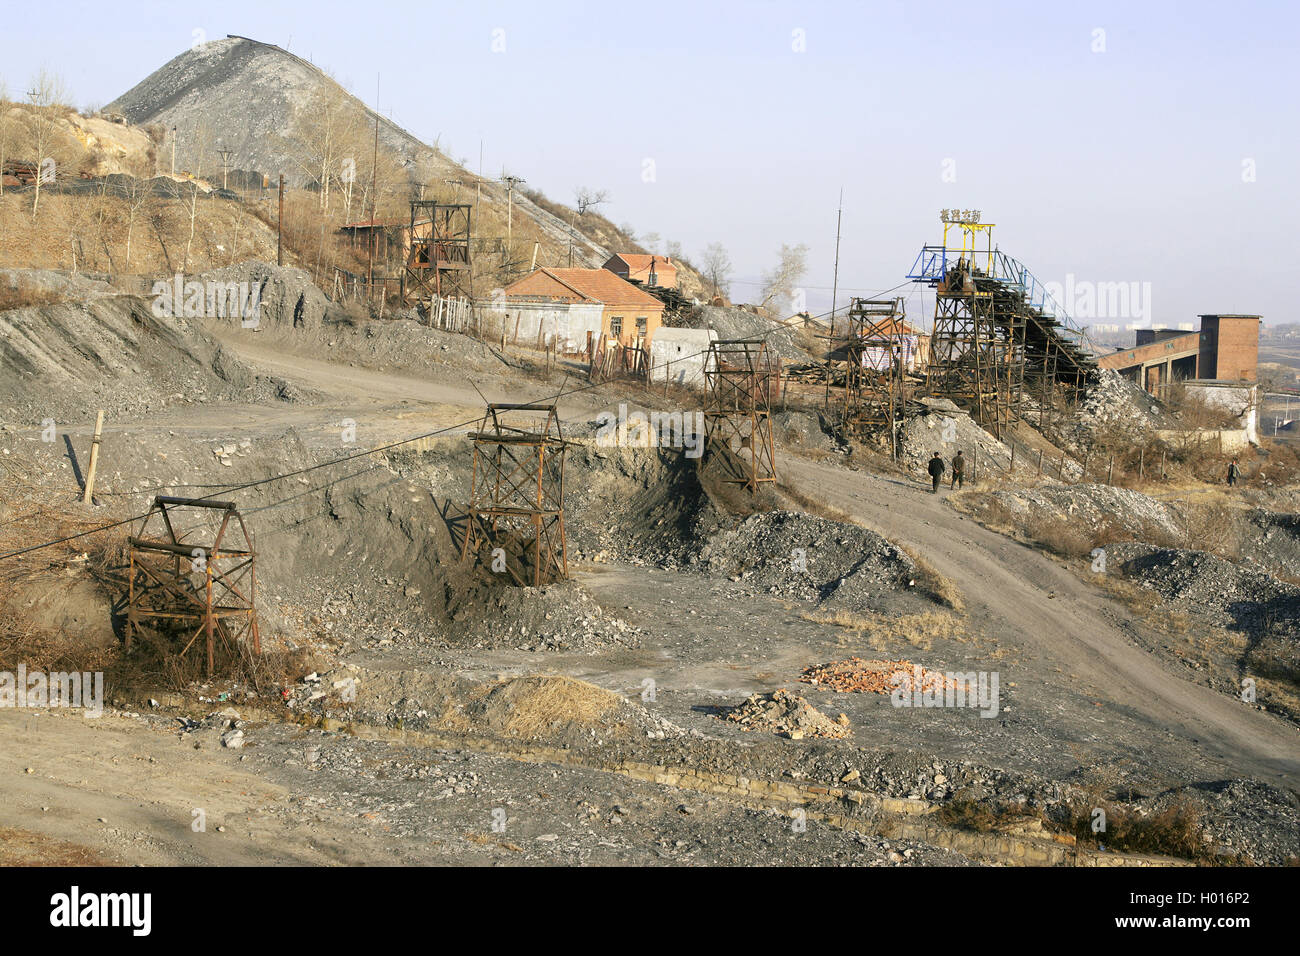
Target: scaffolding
[[741, 379], [200, 580], [999, 340], [438, 264], [964, 355], [877, 350], [516, 506]]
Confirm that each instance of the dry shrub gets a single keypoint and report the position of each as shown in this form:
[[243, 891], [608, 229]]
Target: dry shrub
[[26, 294], [883, 633], [1174, 831], [535, 706]]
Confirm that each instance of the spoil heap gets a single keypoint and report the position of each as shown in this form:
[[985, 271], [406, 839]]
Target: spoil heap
[[783, 713]]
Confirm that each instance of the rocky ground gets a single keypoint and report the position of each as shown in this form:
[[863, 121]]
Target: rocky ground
[[426, 694]]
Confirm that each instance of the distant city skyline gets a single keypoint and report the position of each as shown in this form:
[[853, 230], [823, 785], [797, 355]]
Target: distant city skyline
[[1147, 146]]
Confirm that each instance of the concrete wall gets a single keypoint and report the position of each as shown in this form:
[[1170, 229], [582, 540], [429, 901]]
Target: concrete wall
[[680, 355], [564, 325], [1241, 400]]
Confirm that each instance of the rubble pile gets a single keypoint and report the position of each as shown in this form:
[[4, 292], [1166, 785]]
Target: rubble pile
[[1091, 507], [858, 676], [781, 712], [792, 554], [1113, 404], [923, 434], [1224, 595]]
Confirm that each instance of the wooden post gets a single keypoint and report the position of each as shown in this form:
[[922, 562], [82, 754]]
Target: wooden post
[[1013, 459], [1142, 458], [974, 464], [279, 227], [1110, 471], [1040, 463], [1083, 475], [1162, 466], [94, 459]]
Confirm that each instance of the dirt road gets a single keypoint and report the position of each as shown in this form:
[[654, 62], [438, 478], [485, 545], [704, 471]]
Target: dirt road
[[1021, 596]]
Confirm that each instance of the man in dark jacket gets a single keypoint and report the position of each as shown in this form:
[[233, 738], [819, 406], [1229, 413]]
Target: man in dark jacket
[[958, 469], [1234, 472], [936, 469]]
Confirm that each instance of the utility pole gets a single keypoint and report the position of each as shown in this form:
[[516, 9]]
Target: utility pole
[[511, 182], [370, 232], [225, 153], [173, 151], [279, 227], [835, 288]]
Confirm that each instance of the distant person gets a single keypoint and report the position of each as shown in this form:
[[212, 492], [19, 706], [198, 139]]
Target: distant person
[[958, 470], [936, 470], [1234, 472]]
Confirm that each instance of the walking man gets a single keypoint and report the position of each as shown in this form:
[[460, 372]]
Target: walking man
[[1234, 472], [936, 470], [958, 470]]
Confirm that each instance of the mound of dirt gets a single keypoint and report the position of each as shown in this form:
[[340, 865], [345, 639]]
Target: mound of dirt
[[57, 361], [781, 712], [547, 707], [732, 323], [1116, 407], [943, 427], [1092, 509], [813, 559], [1224, 595], [536, 707]]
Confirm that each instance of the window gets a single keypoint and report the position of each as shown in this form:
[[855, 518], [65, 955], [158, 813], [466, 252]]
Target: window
[[640, 325], [616, 326]]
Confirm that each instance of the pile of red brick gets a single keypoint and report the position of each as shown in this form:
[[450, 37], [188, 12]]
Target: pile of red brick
[[859, 676]]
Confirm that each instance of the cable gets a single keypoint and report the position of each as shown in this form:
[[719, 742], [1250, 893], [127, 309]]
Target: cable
[[228, 489]]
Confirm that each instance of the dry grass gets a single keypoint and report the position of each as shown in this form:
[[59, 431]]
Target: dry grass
[[25, 295], [929, 580], [884, 634], [1174, 831], [536, 706], [27, 848]]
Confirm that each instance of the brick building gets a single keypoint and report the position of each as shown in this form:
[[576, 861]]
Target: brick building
[[628, 314], [646, 269], [1226, 349]]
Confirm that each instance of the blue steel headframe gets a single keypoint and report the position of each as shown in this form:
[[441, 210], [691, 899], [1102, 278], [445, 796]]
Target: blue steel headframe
[[931, 266]]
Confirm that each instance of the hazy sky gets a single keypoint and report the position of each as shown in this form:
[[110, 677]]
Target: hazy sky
[[1109, 142]]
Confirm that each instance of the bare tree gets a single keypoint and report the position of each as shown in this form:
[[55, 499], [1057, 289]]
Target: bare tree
[[138, 195], [585, 198], [328, 137], [47, 94], [716, 264], [6, 130], [780, 281]]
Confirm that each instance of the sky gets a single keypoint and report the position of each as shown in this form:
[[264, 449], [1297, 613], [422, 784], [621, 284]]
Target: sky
[[1151, 144]]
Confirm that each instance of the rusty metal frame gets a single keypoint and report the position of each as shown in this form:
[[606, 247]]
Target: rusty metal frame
[[438, 262], [742, 377], [162, 568], [517, 492], [875, 376]]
